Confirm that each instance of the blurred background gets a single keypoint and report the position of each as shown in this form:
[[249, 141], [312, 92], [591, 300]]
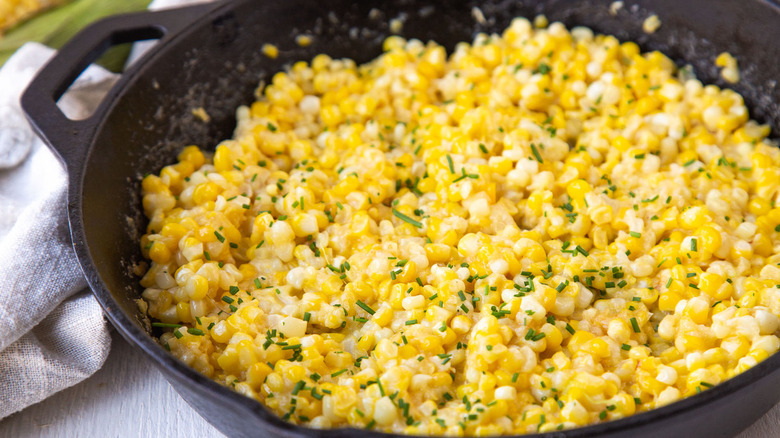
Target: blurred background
[[54, 22]]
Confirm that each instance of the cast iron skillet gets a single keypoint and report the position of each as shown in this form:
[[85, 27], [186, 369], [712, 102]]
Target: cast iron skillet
[[208, 56]]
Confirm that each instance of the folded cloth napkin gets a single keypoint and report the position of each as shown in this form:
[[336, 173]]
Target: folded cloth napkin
[[52, 331]]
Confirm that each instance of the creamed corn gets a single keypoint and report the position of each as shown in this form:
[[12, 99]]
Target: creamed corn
[[543, 230]]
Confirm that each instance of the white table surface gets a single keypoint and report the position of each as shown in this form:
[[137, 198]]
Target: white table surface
[[128, 397]]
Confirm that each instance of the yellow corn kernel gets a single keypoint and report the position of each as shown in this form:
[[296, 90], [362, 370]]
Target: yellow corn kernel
[[668, 300], [437, 252], [206, 192], [221, 332], [257, 374], [578, 340], [366, 342], [183, 312], [159, 253], [432, 345], [192, 155], [196, 287], [153, 184], [461, 324], [621, 143], [578, 188], [598, 348], [712, 284], [710, 239], [270, 51], [441, 379], [601, 215], [697, 309], [174, 230], [759, 206], [223, 158], [693, 218]]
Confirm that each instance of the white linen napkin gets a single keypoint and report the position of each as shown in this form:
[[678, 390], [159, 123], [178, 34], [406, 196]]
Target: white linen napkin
[[52, 331]]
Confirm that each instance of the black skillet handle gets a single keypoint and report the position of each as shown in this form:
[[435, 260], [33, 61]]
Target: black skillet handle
[[68, 137]]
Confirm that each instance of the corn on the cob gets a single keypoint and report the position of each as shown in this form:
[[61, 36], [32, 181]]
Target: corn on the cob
[[545, 230], [13, 12]]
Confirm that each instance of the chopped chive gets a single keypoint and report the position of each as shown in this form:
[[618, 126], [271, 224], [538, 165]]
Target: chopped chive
[[165, 325], [635, 325], [365, 307], [536, 153], [406, 218], [298, 387], [449, 163], [338, 373]]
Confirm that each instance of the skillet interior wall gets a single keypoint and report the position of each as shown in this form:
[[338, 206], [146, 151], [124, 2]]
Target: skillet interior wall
[[216, 65]]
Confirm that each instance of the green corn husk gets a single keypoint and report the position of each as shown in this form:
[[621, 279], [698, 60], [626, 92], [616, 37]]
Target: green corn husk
[[56, 26]]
